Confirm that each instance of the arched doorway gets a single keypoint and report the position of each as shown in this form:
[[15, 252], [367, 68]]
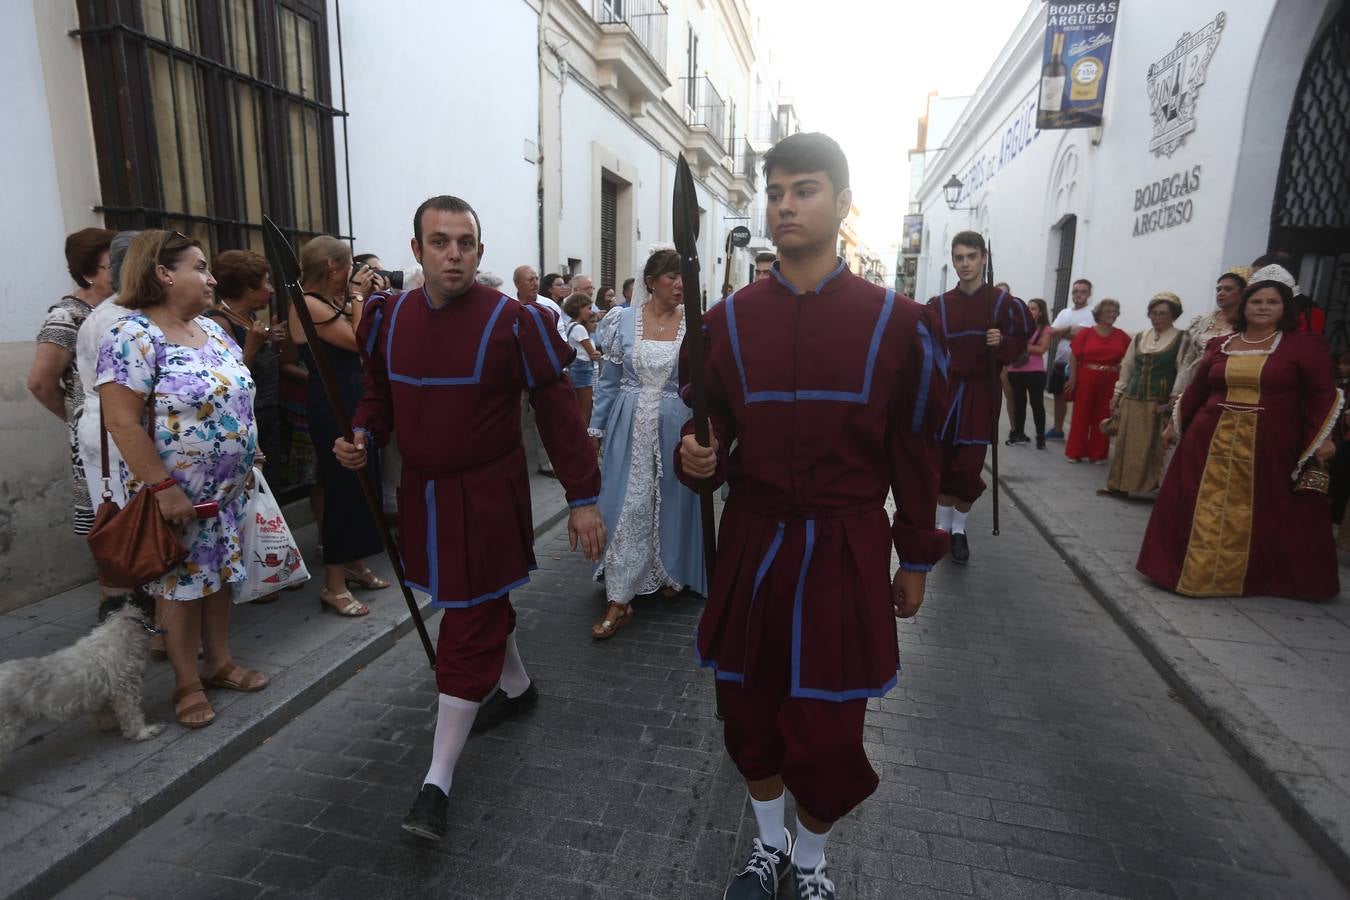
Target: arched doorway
[[1310, 218]]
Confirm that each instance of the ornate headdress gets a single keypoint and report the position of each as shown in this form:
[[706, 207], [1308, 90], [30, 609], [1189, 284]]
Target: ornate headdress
[[1277, 274], [1243, 272], [1165, 295]]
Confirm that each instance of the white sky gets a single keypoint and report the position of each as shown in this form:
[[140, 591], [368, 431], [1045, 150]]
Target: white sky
[[861, 70]]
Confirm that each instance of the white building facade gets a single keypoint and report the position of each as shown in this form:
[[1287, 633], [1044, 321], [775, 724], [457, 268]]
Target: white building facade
[[1160, 197], [560, 120]]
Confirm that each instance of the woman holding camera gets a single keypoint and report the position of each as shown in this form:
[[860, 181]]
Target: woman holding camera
[[181, 365], [349, 533]]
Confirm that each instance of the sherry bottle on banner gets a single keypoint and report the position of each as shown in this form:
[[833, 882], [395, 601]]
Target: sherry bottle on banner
[[1052, 80]]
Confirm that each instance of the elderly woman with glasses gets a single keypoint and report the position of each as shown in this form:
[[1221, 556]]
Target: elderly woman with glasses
[[1094, 364], [1142, 403], [171, 361]]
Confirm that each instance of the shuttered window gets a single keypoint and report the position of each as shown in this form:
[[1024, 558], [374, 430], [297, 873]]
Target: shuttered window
[[609, 232]]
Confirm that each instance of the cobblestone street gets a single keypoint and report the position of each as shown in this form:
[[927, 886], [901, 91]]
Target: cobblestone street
[[1029, 751]]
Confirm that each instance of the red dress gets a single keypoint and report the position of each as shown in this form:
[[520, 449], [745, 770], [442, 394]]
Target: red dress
[[1097, 367], [1227, 522]]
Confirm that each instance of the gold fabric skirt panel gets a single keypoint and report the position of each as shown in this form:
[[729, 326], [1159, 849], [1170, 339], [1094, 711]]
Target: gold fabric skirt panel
[[1221, 530]]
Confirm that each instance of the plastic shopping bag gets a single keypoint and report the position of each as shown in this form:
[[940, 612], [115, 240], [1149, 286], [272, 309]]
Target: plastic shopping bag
[[271, 557]]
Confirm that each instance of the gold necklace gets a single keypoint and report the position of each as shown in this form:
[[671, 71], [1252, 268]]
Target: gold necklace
[[1247, 340]]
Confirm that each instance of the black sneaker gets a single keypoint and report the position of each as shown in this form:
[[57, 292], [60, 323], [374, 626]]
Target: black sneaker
[[763, 872], [426, 819], [499, 707], [1040, 443], [1016, 438], [960, 549], [813, 884]]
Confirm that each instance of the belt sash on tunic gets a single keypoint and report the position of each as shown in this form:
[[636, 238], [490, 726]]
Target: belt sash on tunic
[[832, 568], [467, 537]]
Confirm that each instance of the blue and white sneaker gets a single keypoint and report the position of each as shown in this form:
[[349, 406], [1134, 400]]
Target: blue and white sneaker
[[813, 884], [763, 872]]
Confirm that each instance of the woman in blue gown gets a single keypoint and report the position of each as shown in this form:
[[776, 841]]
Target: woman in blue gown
[[653, 521]]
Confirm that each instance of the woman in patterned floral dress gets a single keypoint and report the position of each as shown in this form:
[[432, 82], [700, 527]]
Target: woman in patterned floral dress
[[656, 539], [204, 443]]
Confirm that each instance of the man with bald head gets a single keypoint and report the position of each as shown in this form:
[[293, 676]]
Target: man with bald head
[[582, 284], [527, 292]]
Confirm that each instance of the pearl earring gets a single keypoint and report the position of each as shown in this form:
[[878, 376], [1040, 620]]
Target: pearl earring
[[170, 282]]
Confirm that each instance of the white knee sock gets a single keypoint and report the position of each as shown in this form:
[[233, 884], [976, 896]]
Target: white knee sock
[[808, 851], [769, 815], [515, 680], [958, 521], [944, 517], [454, 718]]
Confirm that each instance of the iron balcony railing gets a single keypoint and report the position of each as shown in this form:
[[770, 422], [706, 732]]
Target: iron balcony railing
[[646, 19], [704, 106], [744, 161]]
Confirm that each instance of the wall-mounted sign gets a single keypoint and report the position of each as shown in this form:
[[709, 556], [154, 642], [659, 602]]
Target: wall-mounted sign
[[1074, 64], [1015, 135], [740, 236], [912, 241], [1166, 203], [1174, 83]]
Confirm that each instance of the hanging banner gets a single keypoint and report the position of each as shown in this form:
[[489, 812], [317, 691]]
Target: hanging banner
[[1077, 57], [912, 242]]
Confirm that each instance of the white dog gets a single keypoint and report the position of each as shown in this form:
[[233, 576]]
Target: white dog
[[100, 674]]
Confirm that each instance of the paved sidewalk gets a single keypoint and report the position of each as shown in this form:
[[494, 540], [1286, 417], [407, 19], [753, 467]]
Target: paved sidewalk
[[1270, 677], [71, 794], [1029, 753]]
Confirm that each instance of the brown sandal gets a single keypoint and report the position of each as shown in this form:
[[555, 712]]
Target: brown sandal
[[344, 604], [617, 615], [181, 712], [234, 677]]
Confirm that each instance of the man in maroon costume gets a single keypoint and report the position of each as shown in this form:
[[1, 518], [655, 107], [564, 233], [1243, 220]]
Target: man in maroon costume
[[445, 365], [832, 389], [984, 328]]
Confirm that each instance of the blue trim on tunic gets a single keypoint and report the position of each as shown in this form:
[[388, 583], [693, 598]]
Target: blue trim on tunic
[[477, 375], [954, 409], [529, 376], [433, 563], [926, 378], [916, 567], [978, 332], [543, 336], [375, 330], [465, 604], [589, 501], [860, 397], [791, 287], [719, 674]]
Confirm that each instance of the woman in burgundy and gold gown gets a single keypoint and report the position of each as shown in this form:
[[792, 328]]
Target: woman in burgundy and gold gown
[[1228, 521]]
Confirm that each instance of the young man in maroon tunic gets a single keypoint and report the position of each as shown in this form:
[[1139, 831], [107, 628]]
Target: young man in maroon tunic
[[832, 389], [984, 328], [445, 366]]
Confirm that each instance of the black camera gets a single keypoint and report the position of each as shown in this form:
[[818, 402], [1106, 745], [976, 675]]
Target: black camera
[[394, 279]]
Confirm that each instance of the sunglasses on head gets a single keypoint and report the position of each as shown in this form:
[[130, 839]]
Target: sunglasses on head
[[168, 237]]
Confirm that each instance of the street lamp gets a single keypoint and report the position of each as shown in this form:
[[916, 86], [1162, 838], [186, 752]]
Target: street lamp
[[952, 191]]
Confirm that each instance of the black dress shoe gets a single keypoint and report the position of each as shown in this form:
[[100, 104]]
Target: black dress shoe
[[499, 707], [426, 819], [960, 549]]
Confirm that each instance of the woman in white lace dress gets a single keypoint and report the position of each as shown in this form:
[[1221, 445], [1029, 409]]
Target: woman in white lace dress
[[655, 543]]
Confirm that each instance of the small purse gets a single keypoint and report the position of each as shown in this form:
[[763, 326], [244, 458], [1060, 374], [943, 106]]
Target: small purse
[[1314, 479], [133, 544]]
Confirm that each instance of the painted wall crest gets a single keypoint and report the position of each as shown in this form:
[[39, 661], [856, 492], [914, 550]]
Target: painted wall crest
[[1174, 84]]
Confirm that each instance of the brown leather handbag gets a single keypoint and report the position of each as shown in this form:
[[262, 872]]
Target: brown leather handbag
[[133, 544]]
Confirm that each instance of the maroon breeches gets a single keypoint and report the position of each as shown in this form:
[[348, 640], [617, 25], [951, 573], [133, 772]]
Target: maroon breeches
[[471, 648], [816, 745], [961, 467]]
